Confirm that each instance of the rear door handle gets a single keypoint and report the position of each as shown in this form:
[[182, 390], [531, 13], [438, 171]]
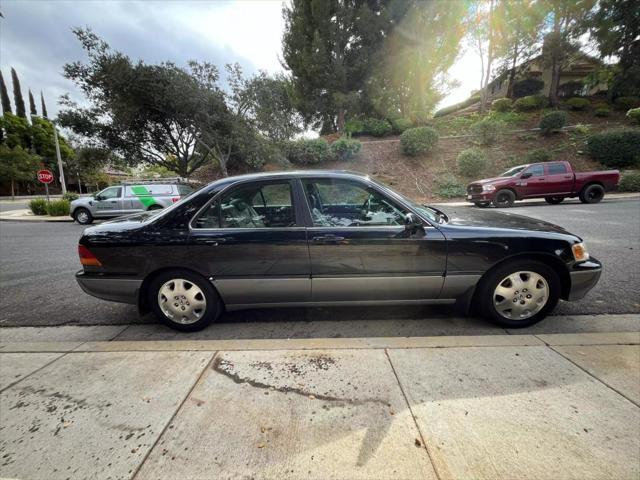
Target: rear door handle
[[327, 239]]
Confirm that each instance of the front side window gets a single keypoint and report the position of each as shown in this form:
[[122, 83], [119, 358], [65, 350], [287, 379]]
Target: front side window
[[257, 205], [535, 170], [557, 168], [111, 192], [341, 203]]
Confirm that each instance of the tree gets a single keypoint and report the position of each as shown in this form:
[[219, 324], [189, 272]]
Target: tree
[[17, 131], [331, 48], [4, 96], [43, 106], [147, 114], [17, 164], [615, 27], [32, 104], [43, 142], [17, 95], [560, 44]]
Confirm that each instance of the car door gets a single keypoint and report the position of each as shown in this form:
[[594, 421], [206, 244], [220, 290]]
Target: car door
[[532, 182], [361, 251], [559, 180], [107, 203], [250, 241]]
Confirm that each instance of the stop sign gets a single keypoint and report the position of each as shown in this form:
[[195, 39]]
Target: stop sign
[[45, 176]]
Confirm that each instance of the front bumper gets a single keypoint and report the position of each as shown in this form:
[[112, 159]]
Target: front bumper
[[480, 197], [584, 277], [112, 288]]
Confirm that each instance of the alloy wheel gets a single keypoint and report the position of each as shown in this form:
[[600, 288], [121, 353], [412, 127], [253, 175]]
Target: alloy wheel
[[521, 295]]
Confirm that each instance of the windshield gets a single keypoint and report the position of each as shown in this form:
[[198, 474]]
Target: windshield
[[431, 213], [512, 172]]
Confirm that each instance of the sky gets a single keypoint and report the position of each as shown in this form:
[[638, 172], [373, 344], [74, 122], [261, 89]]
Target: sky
[[36, 38]]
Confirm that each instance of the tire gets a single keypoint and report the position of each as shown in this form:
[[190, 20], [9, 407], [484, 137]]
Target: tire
[[168, 309], [82, 216], [482, 204], [154, 207], [592, 194], [488, 299], [504, 198], [553, 200]]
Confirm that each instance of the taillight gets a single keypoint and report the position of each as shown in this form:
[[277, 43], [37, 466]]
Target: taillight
[[175, 199], [87, 258]]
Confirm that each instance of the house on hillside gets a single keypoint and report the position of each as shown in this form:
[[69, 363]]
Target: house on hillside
[[572, 77]]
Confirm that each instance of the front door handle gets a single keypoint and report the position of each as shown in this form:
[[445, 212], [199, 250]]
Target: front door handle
[[113, 201], [214, 242], [541, 179], [328, 239]]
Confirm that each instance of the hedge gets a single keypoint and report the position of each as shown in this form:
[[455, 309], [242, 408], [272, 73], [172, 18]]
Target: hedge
[[552, 121], [577, 103], [353, 127], [38, 206], [602, 112], [471, 162], [630, 182], [58, 208], [345, 148], [487, 131], [626, 103], [634, 114], [399, 125], [615, 148], [418, 140], [377, 127], [501, 105], [308, 152], [531, 102]]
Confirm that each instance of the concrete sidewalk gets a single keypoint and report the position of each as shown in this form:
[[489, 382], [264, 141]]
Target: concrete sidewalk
[[550, 406]]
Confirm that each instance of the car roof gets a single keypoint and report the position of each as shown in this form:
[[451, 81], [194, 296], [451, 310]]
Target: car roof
[[288, 174]]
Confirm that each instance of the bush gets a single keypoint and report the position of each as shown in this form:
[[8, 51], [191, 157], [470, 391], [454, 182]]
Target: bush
[[448, 186], [38, 206], [602, 112], [70, 196], [634, 115], [501, 105], [630, 182], [418, 140], [58, 208], [627, 103], [527, 87], [615, 148], [308, 152], [577, 103], [399, 125], [353, 127], [471, 162], [345, 148], [532, 102], [552, 121], [377, 127], [487, 130], [538, 155]]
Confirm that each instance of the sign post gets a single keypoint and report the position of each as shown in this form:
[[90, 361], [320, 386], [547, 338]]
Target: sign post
[[46, 177]]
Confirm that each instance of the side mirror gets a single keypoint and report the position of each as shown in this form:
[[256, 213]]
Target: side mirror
[[411, 222], [97, 197], [526, 175]]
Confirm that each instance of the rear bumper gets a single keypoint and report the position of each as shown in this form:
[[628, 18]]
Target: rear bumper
[[584, 277], [114, 289]]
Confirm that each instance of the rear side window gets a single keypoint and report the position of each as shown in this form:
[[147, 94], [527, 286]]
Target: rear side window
[[557, 168], [257, 205]]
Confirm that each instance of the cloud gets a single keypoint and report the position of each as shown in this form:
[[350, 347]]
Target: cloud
[[36, 38]]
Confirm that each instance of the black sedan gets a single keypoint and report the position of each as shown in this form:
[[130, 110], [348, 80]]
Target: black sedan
[[329, 238]]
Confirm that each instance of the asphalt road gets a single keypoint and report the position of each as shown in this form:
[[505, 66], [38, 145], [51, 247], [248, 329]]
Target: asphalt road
[[38, 262]]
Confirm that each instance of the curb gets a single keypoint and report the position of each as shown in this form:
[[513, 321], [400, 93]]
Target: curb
[[23, 215]]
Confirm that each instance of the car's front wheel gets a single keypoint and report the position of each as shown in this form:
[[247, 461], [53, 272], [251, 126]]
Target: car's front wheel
[[518, 294], [504, 199], [83, 216], [184, 300]]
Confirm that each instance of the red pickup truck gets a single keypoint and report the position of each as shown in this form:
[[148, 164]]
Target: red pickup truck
[[553, 181]]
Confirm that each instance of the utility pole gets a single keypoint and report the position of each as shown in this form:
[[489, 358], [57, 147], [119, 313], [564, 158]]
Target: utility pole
[[60, 170]]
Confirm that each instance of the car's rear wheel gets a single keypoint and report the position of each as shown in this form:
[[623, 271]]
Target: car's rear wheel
[[184, 300], [592, 194], [83, 216], [482, 204], [553, 200], [504, 199], [518, 294]]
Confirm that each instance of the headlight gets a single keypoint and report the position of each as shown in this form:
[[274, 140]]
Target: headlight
[[488, 188], [580, 252]]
